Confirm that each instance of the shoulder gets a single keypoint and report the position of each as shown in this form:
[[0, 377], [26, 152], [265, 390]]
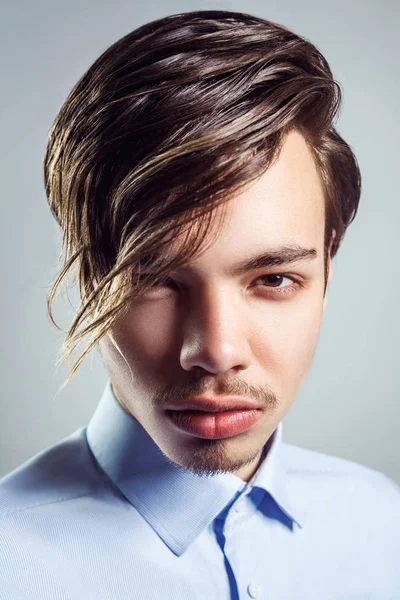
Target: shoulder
[[351, 518], [310, 465], [343, 485], [60, 472]]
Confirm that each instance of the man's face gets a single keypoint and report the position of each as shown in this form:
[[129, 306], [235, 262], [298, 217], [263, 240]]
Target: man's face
[[218, 334]]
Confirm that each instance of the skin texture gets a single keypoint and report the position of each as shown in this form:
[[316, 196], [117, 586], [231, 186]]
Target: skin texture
[[213, 334]]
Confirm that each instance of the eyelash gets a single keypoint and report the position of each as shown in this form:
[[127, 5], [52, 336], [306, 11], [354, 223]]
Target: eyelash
[[285, 290], [275, 290]]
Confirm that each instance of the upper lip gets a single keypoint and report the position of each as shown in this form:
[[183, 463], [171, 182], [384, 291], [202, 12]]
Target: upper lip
[[216, 404]]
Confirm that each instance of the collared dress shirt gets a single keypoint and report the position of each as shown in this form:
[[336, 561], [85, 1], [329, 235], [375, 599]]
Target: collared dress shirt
[[104, 515]]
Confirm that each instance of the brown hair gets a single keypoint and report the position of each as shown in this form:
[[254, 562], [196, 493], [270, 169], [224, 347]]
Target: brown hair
[[168, 124]]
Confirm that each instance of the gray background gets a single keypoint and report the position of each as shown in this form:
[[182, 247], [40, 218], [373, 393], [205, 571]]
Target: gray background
[[349, 403]]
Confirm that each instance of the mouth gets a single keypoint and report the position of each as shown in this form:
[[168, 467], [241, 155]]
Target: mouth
[[214, 405], [214, 424]]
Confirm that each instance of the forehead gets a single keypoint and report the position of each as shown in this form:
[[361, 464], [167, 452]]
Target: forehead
[[283, 207], [287, 198]]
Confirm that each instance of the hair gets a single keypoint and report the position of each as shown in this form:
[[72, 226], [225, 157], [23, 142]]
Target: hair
[[166, 126]]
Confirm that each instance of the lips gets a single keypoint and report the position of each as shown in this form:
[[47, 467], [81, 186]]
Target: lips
[[216, 425], [212, 405]]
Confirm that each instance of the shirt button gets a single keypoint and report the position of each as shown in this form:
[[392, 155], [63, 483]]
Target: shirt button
[[239, 505], [254, 590]]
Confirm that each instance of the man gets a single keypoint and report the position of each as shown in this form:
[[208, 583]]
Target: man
[[181, 486]]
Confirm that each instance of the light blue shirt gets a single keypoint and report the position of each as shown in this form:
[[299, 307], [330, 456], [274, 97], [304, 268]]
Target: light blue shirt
[[104, 515]]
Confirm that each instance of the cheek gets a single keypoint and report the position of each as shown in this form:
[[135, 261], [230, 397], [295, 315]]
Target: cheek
[[286, 344], [146, 333]]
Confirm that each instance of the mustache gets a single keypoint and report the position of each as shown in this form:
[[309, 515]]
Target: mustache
[[265, 396]]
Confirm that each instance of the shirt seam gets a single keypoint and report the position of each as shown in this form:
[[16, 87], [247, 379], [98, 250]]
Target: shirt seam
[[11, 512]]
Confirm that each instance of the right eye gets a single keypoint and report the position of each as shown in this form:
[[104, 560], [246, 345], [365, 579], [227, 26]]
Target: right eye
[[166, 282]]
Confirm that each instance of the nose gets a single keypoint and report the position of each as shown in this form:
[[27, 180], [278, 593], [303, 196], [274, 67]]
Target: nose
[[214, 334]]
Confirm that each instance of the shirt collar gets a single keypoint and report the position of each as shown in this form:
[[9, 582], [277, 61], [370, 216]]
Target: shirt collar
[[135, 464]]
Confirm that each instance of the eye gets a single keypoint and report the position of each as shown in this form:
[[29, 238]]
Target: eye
[[166, 282], [277, 279]]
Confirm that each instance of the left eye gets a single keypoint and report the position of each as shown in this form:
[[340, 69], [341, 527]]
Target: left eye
[[276, 279]]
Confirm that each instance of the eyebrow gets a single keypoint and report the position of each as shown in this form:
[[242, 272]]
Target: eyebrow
[[280, 256], [276, 257]]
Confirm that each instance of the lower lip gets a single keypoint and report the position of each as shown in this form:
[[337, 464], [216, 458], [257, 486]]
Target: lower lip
[[214, 425]]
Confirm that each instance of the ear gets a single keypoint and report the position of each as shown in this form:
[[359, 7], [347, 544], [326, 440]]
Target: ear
[[326, 292], [329, 269]]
